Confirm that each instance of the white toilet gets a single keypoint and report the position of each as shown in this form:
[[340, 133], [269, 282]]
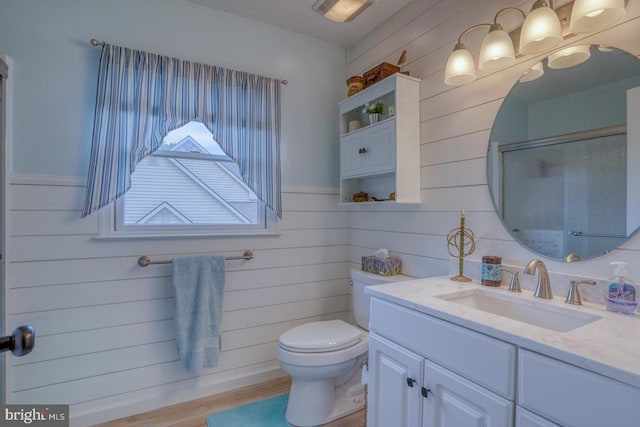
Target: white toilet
[[324, 360]]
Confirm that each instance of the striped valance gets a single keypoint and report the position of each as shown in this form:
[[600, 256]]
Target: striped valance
[[143, 96]]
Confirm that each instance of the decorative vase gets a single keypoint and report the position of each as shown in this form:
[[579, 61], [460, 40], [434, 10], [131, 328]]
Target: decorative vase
[[354, 85], [374, 118]]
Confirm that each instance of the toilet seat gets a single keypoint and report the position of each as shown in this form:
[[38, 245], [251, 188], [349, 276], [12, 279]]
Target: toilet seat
[[320, 337]]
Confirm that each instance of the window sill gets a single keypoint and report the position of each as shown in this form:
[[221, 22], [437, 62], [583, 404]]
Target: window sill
[[185, 236]]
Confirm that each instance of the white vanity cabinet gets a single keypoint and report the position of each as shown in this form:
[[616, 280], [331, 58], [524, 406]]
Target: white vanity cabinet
[[426, 372], [472, 370], [383, 157]]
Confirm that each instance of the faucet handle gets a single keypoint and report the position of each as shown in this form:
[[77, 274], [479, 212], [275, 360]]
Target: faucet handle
[[514, 284], [573, 297]]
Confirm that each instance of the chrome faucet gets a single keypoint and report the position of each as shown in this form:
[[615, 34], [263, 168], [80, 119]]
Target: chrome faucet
[[543, 288]]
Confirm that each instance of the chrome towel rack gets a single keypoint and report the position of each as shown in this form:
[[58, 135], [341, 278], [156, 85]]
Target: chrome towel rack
[[144, 260]]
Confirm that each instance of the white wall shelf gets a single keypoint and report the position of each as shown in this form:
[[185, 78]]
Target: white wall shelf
[[384, 157]]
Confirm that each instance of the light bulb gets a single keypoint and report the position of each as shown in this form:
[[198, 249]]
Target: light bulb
[[461, 68], [592, 15], [569, 57], [497, 50], [541, 31], [535, 72]]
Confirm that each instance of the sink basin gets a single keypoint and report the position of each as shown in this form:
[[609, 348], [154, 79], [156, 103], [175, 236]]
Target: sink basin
[[536, 313]]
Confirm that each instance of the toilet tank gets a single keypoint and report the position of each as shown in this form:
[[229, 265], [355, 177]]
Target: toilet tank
[[361, 301]]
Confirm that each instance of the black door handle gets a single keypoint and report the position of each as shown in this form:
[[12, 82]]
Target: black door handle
[[20, 342]]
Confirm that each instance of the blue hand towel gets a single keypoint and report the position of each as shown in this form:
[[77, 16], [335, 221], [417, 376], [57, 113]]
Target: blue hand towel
[[198, 284]]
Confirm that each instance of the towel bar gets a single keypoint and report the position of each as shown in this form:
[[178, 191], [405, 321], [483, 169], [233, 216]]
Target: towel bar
[[583, 234], [144, 260]]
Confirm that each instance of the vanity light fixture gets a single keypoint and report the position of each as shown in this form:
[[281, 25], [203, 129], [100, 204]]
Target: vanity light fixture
[[541, 29], [593, 15], [497, 49], [540, 32], [341, 10], [569, 57]]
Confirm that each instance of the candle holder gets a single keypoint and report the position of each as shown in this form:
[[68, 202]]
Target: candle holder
[[463, 241]]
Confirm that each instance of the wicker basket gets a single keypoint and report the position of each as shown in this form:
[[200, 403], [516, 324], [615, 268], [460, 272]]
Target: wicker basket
[[378, 73]]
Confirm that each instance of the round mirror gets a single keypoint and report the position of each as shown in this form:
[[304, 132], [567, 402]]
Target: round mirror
[[563, 164]]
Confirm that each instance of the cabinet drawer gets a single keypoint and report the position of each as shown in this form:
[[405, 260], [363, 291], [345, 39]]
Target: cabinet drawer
[[525, 418], [572, 396], [485, 360]]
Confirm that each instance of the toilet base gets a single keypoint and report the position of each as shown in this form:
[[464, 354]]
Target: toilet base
[[335, 401]]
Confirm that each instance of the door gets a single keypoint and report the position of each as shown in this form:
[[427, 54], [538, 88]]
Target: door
[[3, 108], [394, 385], [452, 400]]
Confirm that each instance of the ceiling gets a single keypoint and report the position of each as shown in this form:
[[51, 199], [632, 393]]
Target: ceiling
[[298, 16]]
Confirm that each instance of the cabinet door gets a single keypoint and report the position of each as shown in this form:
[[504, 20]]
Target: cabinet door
[[394, 385], [455, 401], [525, 418], [381, 148], [352, 157]]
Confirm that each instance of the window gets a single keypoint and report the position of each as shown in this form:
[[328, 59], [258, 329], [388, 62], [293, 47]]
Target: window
[[189, 186], [140, 95]]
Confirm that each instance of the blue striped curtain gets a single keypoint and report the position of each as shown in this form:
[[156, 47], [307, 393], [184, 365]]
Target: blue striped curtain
[[142, 96]]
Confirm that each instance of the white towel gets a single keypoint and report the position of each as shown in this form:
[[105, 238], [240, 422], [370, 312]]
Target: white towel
[[198, 284]]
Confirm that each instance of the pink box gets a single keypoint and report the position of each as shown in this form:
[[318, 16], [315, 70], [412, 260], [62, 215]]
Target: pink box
[[386, 267]]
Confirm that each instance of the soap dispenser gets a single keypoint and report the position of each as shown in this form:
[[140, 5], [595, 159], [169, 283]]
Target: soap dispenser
[[621, 296]]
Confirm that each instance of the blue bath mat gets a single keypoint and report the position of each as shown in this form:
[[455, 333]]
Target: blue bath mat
[[264, 413]]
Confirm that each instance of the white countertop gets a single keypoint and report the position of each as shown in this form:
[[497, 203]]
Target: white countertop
[[609, 346]]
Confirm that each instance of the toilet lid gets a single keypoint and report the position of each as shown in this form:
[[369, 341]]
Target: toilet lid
[[317, 337]]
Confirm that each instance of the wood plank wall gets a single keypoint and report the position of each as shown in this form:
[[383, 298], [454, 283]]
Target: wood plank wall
[[455, 128], [105, 334]]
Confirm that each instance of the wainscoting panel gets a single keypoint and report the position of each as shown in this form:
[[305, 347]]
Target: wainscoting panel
[[104, 325]]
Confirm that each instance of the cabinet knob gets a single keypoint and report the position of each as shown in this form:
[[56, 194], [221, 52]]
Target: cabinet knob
[[410, 382], [362, 150], [425, 392]]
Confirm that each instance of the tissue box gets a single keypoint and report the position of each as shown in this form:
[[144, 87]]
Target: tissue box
[[386, 267]]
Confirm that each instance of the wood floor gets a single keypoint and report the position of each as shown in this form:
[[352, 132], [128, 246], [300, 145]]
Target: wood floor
[[195, 412]]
